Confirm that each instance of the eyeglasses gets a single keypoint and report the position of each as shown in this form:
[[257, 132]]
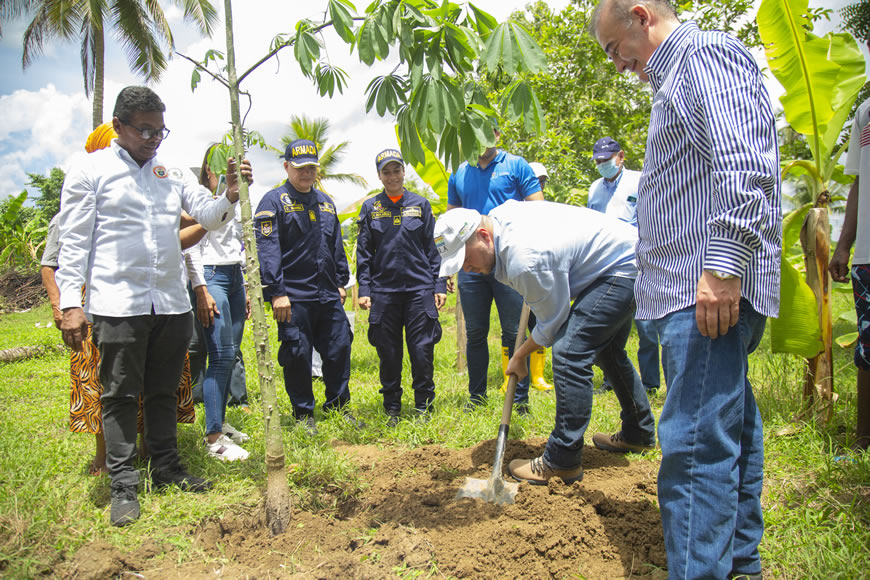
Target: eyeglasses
[[148, 134]]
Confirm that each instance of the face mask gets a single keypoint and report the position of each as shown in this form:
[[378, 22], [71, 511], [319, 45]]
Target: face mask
[[608, 169]]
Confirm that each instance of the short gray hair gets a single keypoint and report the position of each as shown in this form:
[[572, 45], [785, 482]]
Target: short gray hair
[[621, 11], [133, 100]]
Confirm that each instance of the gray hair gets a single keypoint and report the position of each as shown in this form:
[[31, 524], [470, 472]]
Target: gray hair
[[621, 11], [133, 100]]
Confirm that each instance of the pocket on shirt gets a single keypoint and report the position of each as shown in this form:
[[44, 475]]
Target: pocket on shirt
[[412, 223]]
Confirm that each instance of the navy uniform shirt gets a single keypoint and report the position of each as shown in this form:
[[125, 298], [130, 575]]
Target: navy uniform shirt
[[395, 248], [299, 245]]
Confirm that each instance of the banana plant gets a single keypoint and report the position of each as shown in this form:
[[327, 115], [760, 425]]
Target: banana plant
[[821, 77]]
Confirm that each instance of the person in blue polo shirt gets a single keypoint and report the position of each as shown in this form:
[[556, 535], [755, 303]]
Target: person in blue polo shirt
[[304, 271], [397, 269], [497, 177]]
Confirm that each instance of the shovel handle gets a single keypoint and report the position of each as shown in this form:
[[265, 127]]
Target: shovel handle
[[511, 390]]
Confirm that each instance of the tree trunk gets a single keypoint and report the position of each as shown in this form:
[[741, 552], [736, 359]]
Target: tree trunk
[[99, 64], [460, 334], [277, 493], [25, 352], [819, 377]]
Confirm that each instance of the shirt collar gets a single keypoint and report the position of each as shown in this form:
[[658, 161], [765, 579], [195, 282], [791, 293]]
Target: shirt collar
[[662, 60], [126, 157]]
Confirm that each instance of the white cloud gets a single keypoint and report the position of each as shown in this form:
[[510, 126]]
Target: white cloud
[[39, 130]]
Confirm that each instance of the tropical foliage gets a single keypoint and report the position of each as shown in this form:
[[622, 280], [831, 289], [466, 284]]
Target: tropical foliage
[[140, 27]]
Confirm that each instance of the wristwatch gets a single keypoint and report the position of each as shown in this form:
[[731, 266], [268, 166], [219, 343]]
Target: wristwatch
[[720, 274]]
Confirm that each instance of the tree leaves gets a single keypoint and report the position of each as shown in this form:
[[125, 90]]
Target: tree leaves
[[329, 78], [386, 93], [510, 48], [306, 49], [342, 20]]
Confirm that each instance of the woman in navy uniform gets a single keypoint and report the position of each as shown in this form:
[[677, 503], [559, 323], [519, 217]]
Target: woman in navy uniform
[[304, 271], [397, 270]]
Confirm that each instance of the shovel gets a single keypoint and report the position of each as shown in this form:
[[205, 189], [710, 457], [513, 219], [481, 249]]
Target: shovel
[[495, 489]]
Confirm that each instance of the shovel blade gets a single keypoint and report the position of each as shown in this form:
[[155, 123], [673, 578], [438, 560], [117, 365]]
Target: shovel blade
[[494, 490]]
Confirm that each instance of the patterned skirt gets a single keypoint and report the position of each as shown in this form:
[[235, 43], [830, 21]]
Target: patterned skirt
[[85, 408]]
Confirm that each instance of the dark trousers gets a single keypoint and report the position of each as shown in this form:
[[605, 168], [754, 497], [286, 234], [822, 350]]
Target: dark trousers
[[140, 355], [416, 313], [324, 326]]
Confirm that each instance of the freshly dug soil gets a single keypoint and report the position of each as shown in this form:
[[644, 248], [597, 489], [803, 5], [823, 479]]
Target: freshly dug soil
[[606, 526]]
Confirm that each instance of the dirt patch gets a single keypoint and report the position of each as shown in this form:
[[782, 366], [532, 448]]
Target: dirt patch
[[20, 291], [408, 520]]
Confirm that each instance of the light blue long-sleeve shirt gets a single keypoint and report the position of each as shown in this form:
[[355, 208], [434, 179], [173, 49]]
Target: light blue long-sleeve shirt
[[549, 252]]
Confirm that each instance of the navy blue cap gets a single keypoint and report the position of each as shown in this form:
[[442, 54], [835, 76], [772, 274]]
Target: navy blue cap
[[388, 156], [301, 152], [605, 148]]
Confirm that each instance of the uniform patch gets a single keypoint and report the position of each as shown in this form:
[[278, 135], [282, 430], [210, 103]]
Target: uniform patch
[[176, 173], [160, 172], [288, 208], [266, 227], [327, 207], [397, 221], [440, 245], [414, 211], [311, 215], [381, 214], [264, 213]]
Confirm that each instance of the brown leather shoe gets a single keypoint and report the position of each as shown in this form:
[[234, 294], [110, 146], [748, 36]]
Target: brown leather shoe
[[617, 444], [538, 472]]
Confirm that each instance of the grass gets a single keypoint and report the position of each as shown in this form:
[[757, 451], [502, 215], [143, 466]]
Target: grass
[[816, 499]]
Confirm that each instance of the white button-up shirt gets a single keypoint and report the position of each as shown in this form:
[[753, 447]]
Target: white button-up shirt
[[119, 226]]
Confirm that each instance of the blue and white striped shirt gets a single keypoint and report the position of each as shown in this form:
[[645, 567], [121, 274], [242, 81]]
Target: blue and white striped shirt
[[710, 193]]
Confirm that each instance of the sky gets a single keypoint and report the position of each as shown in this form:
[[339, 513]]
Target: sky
[[45, 117]]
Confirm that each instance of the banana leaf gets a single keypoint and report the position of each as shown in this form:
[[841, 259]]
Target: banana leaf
[[797, 329]]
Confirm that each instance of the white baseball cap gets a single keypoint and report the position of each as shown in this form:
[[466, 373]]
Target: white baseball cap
[[452, 230], [539, 169]]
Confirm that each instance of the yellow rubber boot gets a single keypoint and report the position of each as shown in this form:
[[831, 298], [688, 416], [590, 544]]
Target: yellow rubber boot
[[504, 363], [536, 370]]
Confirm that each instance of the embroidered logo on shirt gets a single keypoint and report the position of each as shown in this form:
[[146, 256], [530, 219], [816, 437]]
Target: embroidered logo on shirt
[[160, 172], [266, 227], [378, 206], [311, 215], [381, 214], [327, 207], [440, 245], [412, 212], [293, 207], [865, 136], [175, 173], [397, 221], [264, 213]]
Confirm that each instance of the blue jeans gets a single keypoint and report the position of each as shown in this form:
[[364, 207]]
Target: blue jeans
[[223, 338], [709, 483], [596, 331], [476, 293], [648, 353]]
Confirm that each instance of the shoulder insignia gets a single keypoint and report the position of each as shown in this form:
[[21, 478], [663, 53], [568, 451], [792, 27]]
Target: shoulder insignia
[[264, 213], [266, 227]]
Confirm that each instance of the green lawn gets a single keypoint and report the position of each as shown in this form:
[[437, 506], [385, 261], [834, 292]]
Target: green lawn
[[817, 495]]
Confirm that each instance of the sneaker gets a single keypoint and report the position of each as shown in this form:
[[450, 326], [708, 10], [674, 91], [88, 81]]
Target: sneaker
[[617, 444], [177, 475], [392, 421], [538, 472], [236, 435], [225, 449], [125, 505]]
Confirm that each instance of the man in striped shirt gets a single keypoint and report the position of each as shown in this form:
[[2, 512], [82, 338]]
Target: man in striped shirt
[[709, 225]]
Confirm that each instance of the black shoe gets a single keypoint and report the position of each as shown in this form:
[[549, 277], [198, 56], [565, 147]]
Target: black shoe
[[522, 409], [309, 424], [472, 405], [125, 505], [392, 421], [177, 475], [354, 422], [424, 415]]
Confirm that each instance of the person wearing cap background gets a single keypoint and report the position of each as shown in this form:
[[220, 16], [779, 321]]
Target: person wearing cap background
[[540, 173], [497, 177], [615, 193], [579, 282], [397, 268], [304, 271]]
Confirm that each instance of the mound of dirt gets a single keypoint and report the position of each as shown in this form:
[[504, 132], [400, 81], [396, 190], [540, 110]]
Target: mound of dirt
[[606, 526], [20, 291]]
